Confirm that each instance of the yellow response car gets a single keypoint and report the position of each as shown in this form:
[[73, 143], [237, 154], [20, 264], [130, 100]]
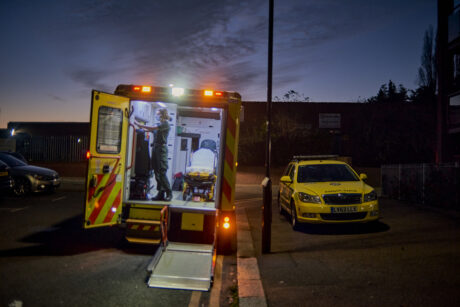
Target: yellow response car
[[325, 191]]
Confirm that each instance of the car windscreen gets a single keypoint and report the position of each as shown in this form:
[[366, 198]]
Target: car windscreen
[[325, 172], [11, 161]]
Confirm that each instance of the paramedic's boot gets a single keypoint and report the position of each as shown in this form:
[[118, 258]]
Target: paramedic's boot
[[168, 196], [159, 196]]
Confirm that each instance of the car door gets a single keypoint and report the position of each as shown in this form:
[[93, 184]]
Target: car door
[[290, 187], [107, 156], [285, 187]]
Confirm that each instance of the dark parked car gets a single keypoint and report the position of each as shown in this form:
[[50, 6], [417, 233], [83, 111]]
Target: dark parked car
[[17, 155], [6, 183], [28, 178]]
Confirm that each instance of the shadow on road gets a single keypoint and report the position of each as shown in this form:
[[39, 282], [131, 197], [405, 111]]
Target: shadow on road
[[341, 229], [69, 238]]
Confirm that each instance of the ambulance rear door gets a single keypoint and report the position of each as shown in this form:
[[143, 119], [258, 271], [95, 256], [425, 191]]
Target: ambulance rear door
[[107, 158]]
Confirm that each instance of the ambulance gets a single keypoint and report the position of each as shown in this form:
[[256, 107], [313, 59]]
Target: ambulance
[[202, 147]]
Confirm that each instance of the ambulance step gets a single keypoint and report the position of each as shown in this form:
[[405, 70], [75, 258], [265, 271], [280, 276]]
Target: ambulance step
[[143, 231], [182, 266], [145, 222], [142, 240]]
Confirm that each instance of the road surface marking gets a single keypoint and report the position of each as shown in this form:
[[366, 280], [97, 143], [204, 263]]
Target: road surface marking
[[59, 198], [217, 286], [195, 299]]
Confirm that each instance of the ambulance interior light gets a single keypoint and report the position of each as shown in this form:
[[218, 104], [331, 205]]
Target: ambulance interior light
[[177, 91]]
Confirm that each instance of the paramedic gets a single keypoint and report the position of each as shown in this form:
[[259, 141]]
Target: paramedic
[[160, 155]]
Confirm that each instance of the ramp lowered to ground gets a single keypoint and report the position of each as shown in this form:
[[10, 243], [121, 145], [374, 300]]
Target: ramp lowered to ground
[[182, 266]]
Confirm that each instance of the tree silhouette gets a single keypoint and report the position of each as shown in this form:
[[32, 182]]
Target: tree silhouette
[[427, 70], [292, 96], [390, 94], [427, 76]]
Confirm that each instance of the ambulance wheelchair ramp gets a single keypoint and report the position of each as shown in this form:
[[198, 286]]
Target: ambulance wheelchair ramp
[[183, 266]]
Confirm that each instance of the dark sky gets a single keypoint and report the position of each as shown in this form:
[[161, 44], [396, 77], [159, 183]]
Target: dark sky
[[53, 53]]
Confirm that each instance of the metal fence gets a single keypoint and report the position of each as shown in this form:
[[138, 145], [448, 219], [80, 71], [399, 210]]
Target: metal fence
[[437, 185], [55, 148]]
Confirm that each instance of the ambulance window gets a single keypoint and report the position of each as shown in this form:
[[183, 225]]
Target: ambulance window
[[110, 121]]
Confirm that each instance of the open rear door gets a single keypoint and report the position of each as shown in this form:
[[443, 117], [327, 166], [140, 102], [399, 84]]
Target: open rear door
[[106, 165]]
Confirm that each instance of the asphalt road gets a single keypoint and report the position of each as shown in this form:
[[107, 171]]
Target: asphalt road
[[47, 259], [410, 258]]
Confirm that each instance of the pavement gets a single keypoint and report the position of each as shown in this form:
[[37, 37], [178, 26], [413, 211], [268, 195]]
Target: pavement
[[250, 289]]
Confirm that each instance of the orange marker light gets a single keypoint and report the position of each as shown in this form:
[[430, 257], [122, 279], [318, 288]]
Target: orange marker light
[[88, 155], [218, 93], [226, 224], [146, 89], [208, 93], [136, 88]]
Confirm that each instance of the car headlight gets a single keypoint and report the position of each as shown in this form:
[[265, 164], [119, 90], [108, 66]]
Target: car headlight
[[307, 198], [370, 196]]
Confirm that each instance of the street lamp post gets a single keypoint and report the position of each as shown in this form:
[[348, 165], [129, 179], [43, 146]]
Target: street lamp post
[[267, 184]]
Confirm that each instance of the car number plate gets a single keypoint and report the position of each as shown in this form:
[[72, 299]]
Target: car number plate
[[344, 209], [3, 173]]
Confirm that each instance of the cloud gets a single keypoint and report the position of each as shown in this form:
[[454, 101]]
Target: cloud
[[57, 98], [199, 42], [91, 78]]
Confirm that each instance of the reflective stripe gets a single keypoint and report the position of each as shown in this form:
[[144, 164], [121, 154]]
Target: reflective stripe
[[91, 190], [231, 141], [115, 205], [144, 227], [102, 200]]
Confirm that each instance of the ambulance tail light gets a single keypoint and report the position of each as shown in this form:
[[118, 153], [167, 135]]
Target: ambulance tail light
[[226, 241], [226, 223], [88, 155]]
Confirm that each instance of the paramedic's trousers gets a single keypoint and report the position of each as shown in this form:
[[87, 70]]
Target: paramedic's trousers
[[160, 166]]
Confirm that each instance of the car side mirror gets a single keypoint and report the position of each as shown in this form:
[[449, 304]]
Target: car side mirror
[[286, 179], [362, 176]]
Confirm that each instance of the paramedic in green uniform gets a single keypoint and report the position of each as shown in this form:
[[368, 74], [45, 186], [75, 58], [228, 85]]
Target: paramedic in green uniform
[[160, 155]]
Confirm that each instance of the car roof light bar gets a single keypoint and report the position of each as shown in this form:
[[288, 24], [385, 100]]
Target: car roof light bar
[[315, 157]]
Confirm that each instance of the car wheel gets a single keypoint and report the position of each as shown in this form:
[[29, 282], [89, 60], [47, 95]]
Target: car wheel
[[21, 186], [294, 221]]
